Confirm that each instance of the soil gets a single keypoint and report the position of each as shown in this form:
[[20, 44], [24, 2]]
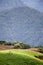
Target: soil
[[39, 57], [3, 47], [34, 49]]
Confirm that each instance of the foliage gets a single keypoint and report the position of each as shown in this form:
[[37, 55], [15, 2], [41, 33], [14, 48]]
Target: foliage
[[40, 48], [2, 42], [16, 44]]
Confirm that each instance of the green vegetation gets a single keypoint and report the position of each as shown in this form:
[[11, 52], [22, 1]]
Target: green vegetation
[[2, 42], [19, 57], [20, 45], [40, 48]]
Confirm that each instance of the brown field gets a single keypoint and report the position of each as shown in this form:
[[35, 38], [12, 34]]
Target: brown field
[[34, 49], [2, 47]]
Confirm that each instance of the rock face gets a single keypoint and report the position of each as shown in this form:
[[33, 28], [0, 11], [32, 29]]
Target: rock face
[[22, 24]]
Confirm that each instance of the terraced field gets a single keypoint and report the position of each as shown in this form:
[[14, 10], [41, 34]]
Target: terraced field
[[19, 57]]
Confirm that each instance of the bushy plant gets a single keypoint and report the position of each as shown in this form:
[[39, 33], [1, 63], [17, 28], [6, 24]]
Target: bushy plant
[[41, 50], [2, 42]]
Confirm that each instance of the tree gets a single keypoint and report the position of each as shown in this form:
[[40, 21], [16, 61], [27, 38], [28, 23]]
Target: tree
[[2, 42]]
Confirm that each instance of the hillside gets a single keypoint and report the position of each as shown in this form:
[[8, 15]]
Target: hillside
[[22, 24], [19, 57]]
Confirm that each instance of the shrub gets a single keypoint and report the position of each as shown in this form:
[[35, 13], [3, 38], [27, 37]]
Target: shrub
[[41, 50], [2, 42]]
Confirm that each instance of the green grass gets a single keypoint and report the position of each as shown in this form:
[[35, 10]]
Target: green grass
[[19, 57]]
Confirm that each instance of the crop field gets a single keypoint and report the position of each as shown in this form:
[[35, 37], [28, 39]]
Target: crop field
[[20, 57]]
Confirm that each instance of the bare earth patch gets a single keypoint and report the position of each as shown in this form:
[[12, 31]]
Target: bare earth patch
[[39, 57], [3, 47], [34, 49]]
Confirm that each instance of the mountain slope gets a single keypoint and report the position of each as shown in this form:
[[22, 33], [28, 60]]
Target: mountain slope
[[19, 57], [22, 24]]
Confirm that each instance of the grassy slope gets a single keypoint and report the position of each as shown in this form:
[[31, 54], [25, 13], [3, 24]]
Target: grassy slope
[[19, 57]]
